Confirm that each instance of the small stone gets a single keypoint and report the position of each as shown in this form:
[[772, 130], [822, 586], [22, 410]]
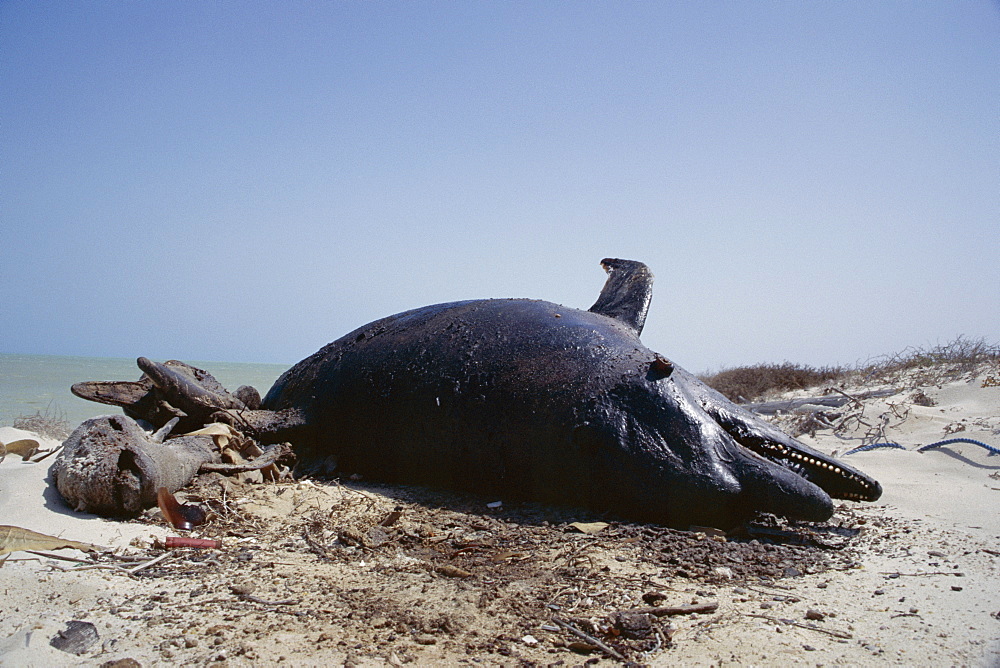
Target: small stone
[[633, 625], [822, 585], [956, 588], [814, 615], [879, 592], [809, 648], [766, 605], [653, 597], [425, 639], [529, 640]]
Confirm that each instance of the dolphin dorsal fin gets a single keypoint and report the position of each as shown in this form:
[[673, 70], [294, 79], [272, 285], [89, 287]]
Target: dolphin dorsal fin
[[627, 293]]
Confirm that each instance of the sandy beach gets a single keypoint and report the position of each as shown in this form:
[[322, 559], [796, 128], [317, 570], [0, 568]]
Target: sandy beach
[[324, 573]]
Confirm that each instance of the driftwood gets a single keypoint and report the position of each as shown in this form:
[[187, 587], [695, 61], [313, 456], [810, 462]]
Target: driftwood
[[803, 405], [168, 391], [113, 467]]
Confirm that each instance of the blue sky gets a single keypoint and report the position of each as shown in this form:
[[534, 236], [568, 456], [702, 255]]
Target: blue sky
[[813, 182]]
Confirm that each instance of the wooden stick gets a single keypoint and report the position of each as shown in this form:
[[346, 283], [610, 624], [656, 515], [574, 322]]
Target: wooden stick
[[151, 562], [270, 456], [775, 620], [675, 610], [60, 557], [589, 638]]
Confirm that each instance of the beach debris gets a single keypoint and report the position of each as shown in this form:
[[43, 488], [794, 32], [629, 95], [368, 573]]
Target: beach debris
[[812, 627], [15, 539], [180, 516], [77, 638], [391, 518], [589, 528], [171, 542], [25, 448], [128, 662], [245, 593], [924, 448], [633, 625], [265, 461], [654, 597], [812, 404], [591, 643], [170, 390], [657, 611], [452, 571], [112, 467]]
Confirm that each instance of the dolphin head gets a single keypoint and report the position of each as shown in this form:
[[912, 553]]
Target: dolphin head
[[703, 460]]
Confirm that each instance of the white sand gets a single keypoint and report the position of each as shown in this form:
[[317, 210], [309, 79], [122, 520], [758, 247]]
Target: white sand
[[938, 518], [28, 501]]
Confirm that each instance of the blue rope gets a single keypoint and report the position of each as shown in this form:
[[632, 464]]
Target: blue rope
[[995, 451], [873, 446]]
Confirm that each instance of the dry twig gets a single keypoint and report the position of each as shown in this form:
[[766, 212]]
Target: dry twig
[[589, 638], [792, 622]]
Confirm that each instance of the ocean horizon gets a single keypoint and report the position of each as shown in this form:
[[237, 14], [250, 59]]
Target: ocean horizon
[[32, 384]]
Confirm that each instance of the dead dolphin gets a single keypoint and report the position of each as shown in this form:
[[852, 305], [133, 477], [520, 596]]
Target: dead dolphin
[[530, 400]]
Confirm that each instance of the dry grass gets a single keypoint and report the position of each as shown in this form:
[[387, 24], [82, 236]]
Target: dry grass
[[749, 383], [960, 358], [51, 423]]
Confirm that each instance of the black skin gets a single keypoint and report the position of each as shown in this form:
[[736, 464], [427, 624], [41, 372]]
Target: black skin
[[523, 399]]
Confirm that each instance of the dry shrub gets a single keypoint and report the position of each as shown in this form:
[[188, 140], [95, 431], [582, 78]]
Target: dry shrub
[[750, 383], [913, 367], [960, 358], [51, 423]]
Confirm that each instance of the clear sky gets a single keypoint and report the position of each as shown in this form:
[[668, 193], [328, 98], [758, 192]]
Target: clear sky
[[816, 182]]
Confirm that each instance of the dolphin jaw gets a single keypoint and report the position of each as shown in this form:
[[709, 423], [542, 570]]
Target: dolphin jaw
[[841, 481]]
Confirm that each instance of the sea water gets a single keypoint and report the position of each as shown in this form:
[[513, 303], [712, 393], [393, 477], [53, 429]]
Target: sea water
[[31, 384]]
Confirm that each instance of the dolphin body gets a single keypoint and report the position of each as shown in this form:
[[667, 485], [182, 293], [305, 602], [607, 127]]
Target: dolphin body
[[524, 400]]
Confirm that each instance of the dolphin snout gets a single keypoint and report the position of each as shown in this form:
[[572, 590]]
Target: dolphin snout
[[771, 488]]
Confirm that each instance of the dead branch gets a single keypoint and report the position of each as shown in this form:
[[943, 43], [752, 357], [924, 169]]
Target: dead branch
[[589, 638], [675, 610], [792, 622]]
